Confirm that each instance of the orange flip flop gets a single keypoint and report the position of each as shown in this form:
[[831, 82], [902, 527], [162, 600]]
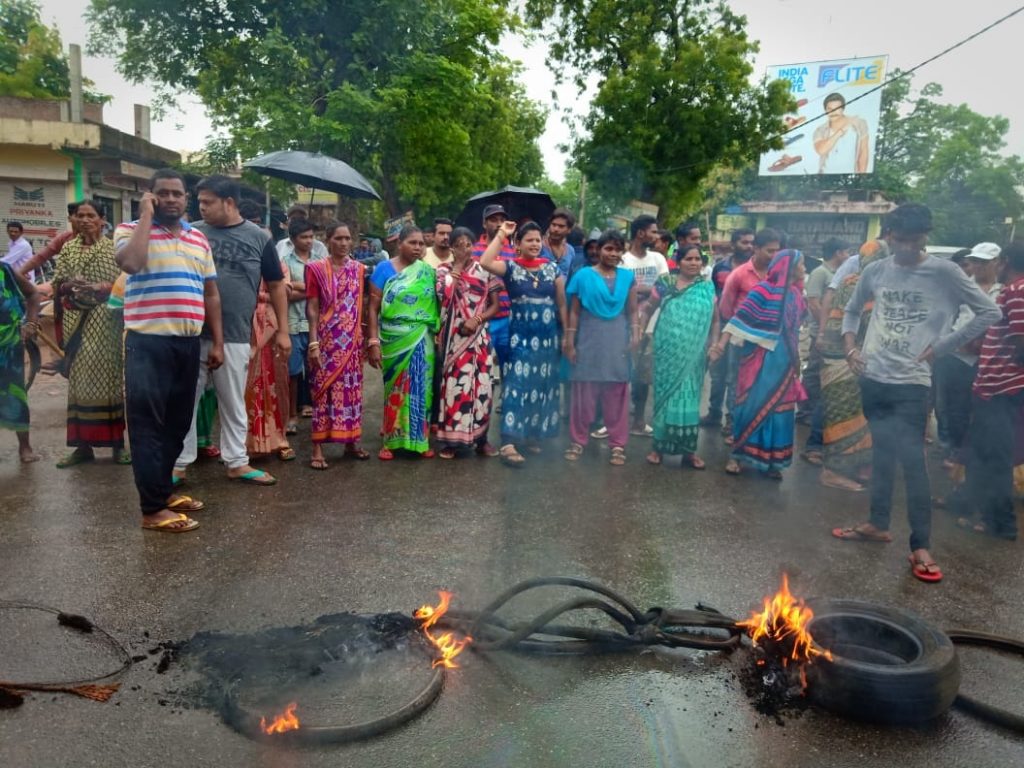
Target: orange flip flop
[[164, 525]]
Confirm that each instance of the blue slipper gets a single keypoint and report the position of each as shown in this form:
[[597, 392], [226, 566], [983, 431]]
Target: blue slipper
[[255, 477]]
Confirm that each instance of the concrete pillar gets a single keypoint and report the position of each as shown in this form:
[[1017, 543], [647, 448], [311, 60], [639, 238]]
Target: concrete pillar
[[142, 122], [75, 71]]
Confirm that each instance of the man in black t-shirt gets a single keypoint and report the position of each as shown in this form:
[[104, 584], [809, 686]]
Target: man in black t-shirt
[[244, 255]]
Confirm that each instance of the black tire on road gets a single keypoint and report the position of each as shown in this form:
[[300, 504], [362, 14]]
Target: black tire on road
[[889, 666]]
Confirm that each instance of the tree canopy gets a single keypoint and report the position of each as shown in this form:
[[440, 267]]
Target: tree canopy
[[415, 94], [674, 96], [32, 61], [950, 158], [33, 64]]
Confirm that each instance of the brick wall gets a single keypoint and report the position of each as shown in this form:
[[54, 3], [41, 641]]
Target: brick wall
[[45, 109]]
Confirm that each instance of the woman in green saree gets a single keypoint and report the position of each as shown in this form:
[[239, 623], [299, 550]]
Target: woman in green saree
[[687, 326], [403, 318]]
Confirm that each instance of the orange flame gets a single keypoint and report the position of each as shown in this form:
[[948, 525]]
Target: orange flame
[[287, 721], [784, 622], [447, 645]]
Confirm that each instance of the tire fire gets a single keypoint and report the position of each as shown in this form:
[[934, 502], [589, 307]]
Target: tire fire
[[286, 721], [448, 647], [779, 632]]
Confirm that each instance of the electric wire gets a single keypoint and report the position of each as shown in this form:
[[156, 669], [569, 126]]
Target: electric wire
[[81, 624]]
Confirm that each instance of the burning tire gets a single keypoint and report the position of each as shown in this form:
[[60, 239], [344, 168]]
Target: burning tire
[[888, 666]]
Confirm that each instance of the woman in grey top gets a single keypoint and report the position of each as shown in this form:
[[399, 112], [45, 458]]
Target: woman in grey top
[[603, 330]]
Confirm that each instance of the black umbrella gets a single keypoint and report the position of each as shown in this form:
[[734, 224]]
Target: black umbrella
[[519, 202], [313, 170]]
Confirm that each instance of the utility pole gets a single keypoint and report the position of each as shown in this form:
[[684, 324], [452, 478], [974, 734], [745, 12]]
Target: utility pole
[[583, 200]]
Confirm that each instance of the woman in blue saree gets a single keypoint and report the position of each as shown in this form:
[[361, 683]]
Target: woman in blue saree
[[529, 379], [767, 325]]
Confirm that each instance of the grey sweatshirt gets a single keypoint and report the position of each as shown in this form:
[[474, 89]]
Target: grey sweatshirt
[[913, 309]]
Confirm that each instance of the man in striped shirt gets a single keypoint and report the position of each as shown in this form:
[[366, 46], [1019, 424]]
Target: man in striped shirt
[[171, 291], [998, 398], [494, 217]]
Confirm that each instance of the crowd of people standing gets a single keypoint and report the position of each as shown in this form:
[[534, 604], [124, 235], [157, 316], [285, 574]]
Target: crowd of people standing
[[170, 319]]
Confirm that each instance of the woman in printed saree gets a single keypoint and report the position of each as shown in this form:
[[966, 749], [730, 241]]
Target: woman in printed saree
[[19, 321], [602, 332], [334, 308], [530, 387], [266, 386], [846, 459], [91, 335], [403, 319], [468, 296], [686, 327], [767, 325]]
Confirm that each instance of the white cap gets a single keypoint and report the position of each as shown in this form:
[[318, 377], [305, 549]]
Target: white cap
[[985, 252]]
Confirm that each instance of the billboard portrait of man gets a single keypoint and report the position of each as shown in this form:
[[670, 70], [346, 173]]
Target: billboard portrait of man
[[842, 142]]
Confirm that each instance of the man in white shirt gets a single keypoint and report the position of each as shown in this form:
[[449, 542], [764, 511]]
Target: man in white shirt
[[647, 266], [20, 250], [441, 251], [285, 246]]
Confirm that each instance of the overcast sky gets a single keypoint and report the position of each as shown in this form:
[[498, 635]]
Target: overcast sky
[[981, 73]]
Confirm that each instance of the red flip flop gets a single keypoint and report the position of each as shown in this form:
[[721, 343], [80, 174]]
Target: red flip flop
[[920, 570]]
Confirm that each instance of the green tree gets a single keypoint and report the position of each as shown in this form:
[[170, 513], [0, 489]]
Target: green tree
[[674, 98], [32, 61], [950, 158], [414, 94], [33, 64]]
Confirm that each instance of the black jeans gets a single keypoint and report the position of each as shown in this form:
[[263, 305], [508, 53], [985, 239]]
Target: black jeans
[[724, 374], [160, 375], [815, 405], [716, 397], [640, 386], [898, 415], [954, 380], [990, 464]]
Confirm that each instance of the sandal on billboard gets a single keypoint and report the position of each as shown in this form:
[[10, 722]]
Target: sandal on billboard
[[784, 162]]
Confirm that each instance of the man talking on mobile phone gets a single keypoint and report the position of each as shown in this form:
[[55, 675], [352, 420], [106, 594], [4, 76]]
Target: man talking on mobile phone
[[171, 291]]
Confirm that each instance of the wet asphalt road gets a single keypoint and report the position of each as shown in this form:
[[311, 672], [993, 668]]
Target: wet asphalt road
[[369, 537]]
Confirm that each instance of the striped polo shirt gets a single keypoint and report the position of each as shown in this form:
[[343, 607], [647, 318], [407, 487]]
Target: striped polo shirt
[[1000, 368], [508, 253], [166, 297]]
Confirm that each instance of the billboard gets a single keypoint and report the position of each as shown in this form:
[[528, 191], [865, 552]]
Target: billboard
[[41, 206], [844, 140]]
